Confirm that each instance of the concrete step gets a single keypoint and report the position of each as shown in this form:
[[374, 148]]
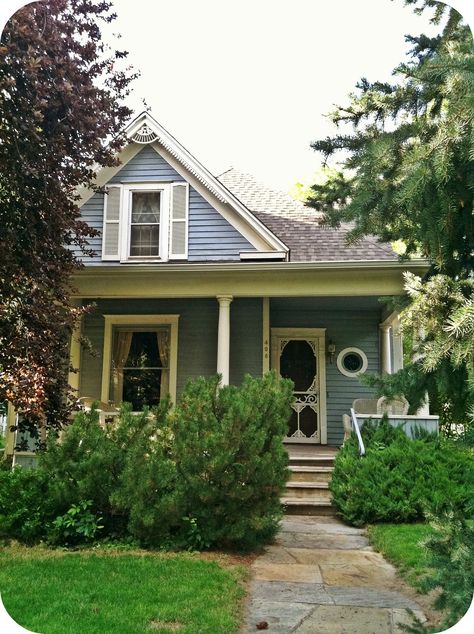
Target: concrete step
[[308, 490], [317, 460], [299, 506], [310, 474]]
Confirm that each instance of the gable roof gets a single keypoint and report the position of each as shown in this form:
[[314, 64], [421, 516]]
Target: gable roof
[[297, 225], [145, 130]]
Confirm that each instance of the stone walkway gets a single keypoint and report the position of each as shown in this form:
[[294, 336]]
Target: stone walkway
[[322, 577]]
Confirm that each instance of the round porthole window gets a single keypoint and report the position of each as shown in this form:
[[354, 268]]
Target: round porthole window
[[352, 362]]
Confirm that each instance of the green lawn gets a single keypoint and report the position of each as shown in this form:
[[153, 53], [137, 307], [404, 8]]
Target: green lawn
[[56, 592], [400, 544]]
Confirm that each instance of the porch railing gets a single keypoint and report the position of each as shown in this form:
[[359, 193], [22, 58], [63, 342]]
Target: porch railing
[[355, 427]]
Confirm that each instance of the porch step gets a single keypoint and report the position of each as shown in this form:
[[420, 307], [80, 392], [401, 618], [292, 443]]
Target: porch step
[[298, 506], [323, 460], [310, 474], [308, 490]]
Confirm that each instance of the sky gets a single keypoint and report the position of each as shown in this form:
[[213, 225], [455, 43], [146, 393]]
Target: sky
[[248, 83]]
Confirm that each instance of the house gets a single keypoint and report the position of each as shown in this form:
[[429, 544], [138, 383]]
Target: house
[[194, 274]]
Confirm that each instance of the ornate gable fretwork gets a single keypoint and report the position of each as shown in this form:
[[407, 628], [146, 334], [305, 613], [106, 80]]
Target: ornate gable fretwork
[[145, 135]]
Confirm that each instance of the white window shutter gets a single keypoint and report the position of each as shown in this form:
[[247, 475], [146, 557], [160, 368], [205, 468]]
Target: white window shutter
[[111, 231], [179, 221]]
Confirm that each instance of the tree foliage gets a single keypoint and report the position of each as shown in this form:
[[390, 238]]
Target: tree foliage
[[408, 177], [409, 171], [61, 91]]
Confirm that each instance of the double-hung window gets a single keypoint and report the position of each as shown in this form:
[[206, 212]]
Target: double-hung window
[[145, 222], [145, 208]]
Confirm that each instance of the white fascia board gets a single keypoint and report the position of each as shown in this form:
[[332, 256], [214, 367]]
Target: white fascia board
[[111, 269], [262, 255]]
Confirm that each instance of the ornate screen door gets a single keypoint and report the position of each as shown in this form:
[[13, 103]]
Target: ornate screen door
[[299, 354]]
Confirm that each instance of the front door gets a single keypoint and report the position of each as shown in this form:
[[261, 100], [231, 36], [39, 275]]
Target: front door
[[299, 354]]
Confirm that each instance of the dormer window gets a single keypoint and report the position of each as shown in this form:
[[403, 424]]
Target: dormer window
[[145, 222]]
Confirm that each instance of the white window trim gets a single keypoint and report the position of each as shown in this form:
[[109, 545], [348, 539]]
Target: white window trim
[[126, 217], [342, 369], [137, 321]]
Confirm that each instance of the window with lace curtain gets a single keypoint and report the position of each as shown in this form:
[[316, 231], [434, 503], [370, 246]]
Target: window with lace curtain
[[140, 366]]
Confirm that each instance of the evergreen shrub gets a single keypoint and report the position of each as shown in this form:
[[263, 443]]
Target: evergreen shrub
[[231, 462], [25, 506], [207, 473], [399, 479], [211, 473]]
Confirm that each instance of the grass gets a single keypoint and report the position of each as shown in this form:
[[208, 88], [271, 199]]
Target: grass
[[57, 592], [400, 544]]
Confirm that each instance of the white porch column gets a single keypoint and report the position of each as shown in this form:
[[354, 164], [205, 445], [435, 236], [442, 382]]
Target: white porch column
[[397, 344], [75, 356], [223, 338], [266, 334], [385, 349]]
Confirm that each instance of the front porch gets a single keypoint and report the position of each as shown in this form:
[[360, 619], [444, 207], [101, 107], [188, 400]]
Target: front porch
[[323, 343], [308, 339]]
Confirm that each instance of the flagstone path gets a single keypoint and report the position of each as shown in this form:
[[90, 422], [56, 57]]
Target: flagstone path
[[322, 577]]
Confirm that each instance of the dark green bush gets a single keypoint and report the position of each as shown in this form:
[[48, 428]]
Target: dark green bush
[[399, 479], [147, 491], [78, 525], [87, 465], [211, 471], [25, 506], [231, 463]]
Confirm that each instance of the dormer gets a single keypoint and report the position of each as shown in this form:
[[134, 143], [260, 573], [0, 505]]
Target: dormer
[[159, 204]]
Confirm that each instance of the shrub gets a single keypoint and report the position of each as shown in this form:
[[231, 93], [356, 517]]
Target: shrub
[[399, 479], [211, 470], [25, 506], [231, 463], [86, 465], [76, 526], [147, 487]]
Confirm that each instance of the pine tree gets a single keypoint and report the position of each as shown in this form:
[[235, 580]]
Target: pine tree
[[408, 176], [409, 173]]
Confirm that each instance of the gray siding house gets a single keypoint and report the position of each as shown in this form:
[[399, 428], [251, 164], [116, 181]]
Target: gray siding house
[[194, 274]]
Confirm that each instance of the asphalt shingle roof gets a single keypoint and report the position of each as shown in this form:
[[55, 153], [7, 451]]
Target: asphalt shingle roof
[[298, 227]]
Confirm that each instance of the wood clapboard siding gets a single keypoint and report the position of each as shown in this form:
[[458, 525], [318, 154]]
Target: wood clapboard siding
[[246, 338], [347, 329], [145, 166], [93, 213], [211, 237], [197, 337]]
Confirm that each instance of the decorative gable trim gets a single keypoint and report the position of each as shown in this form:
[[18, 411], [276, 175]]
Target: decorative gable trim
[[145, 135]]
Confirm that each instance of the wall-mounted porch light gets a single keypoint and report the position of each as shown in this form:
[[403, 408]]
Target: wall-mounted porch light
[[331, 350]]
